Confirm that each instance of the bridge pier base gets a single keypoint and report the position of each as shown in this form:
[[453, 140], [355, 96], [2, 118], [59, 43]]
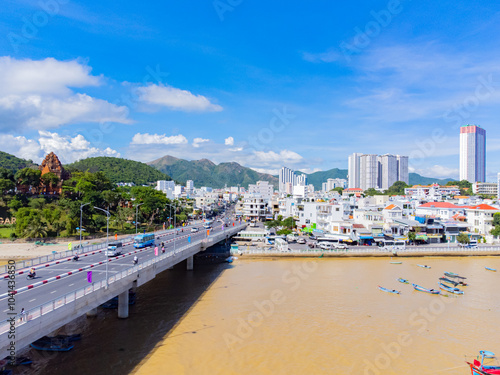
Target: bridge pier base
[[92, 313], [189, 263], [123, 305]]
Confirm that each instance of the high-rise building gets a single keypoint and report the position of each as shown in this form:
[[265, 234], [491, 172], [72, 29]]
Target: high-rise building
[[354, 171], [286, 175], [369, 172], [301, 180], [189, 186], [403, 172], [388, 171], [163, 185], [472, 153]]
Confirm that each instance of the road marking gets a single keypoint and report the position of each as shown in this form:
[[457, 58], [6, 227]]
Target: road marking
[[32, 300], [53, 292], [71, 284]]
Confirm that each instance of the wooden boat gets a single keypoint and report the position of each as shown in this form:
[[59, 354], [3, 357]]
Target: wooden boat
[[454, 275], [404, 281], [454, 283], [425, 290], [20, 361], [396, 262], [450, 289], [478, 368], [54, 345], [491, 269], [423, 266], [393, 291], [71, 338]]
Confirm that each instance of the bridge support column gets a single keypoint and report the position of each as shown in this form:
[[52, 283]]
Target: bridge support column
[[123, 305], [92, 313], [189, 263]]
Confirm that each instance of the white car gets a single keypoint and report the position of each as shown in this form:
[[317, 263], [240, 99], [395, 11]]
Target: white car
[[340, 246], [325, 246], [194, 230], [301, 241]]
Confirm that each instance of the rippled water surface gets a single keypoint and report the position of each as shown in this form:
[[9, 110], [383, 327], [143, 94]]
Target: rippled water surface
[[294, 316]]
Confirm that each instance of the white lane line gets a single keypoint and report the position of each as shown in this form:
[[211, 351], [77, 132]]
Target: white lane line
[[53, 292], [71, 284], [32, 300]]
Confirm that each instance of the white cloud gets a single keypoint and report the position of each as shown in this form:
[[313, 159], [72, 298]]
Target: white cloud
[[236, 149], [283, 156], [36, 94], [158, 139], [229, 141], [197, 141], [176, 99], [437, 171], [67, 148]]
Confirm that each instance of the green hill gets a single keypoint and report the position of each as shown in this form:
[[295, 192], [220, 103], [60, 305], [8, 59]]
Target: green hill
[[416, 179], [14, 163], [206, 173], [317, 178], [119, 170]]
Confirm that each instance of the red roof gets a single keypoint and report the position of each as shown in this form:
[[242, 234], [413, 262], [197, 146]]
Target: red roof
[[438, 205], [358, 226], [354, 189], [482, 207]]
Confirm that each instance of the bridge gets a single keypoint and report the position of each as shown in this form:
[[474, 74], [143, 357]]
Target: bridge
[[64, 290]]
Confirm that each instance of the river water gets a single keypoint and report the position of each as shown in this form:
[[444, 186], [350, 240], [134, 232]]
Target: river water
[[293, 316]]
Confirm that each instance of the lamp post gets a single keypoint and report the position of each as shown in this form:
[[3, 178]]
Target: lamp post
[[107, 238], [81, 211], [175, 233], [136, 212]]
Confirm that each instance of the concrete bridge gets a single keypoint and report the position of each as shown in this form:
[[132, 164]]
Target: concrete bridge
[[67, 293]]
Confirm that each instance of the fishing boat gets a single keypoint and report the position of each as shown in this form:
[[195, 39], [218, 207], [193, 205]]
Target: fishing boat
[[53, 345], [19, 361], [478, 368], [450, 289], [454, 275], [491, 269], [396, 262], [423, 265], [422, 289], [393, 291], [404, 281], [452, 282]]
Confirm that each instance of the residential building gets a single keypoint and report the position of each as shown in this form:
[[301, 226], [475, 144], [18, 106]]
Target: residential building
[[432, 191], [480, 218], [254, 207], [487, 188], [369, 172], [165, 185], [354, 170], [189, 186], [262, 188], [287, 175], [402, 168], [301, 180], [472, 153], [388, 171], [377, 171], [333, 183]]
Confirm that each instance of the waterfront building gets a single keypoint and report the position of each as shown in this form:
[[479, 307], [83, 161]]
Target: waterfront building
[[472, 153]]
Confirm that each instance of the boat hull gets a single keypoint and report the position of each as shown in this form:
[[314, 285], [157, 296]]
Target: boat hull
[[425, 290], [477, 371]]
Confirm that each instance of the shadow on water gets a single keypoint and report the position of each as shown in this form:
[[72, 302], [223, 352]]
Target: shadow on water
[[116, 346]]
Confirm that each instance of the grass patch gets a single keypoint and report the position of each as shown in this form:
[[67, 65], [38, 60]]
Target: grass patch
[[5, 232]]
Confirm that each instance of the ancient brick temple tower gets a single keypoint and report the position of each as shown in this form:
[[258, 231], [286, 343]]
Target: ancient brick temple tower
[[52, 164]]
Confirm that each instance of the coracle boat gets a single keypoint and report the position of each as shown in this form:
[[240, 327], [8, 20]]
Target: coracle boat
[[425, 290], [478, 368]]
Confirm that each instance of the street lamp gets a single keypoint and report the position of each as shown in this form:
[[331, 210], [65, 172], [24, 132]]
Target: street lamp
[[136, 211], [81, 211], [175, 233], [107, 238]]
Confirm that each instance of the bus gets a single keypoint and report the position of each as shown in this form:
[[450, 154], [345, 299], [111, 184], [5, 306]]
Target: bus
[[144, 240], [392, 245]]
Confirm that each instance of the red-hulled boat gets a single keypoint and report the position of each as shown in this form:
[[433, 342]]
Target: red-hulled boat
[[479, 368]]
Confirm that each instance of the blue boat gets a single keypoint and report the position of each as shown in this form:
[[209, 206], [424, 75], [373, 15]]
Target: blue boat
[[491, 269], [454, 275], [393, 291], [425, 290], [479, 368], [450, 289], [404, 281], [20, 361], [423, 266], [52, 345]]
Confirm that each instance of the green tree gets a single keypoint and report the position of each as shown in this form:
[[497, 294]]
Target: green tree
[[371, 192], [30, 178], [49, 180], [6, 186], [463, 238], [36, 229], [398, 188]]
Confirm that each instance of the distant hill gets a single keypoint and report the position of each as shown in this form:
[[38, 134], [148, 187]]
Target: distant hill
[[120, 170], [416, 179], [206, 173], [14, 163]]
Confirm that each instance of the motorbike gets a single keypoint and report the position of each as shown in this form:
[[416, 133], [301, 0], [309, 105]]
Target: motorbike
[[30, 276]]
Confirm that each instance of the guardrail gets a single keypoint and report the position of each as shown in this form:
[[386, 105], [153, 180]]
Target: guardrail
[[47, 307], [368, 250]]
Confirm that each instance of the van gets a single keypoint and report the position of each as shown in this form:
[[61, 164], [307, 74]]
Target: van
[[114, 249]]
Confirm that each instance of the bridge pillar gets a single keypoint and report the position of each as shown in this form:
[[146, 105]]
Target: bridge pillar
[[123, 305], [92, 313], [189, 263]]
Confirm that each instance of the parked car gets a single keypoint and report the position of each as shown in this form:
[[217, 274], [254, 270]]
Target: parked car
[[301, 241], [313, 237], [194, 230], [340, 246], [325, 246]]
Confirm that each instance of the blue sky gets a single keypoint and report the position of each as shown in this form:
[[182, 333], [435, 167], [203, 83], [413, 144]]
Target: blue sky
[[266, 85]]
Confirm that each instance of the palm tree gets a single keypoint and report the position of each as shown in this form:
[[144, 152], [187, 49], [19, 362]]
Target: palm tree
[[35, 229]]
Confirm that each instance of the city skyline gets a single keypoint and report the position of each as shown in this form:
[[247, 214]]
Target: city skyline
[[196, 83]]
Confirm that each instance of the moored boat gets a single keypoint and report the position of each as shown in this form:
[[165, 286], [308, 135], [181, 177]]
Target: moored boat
[[423, 265], [19, 361], [53, 345], [454, 275], [479, 368], [491, 269], [393, 291], [396, 262], [450, 289], [404, 281], [425, 290]]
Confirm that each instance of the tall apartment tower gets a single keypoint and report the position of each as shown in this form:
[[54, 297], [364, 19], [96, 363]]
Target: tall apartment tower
[[388, 172], [472, 153], [403, 172], [286, 175], [369, 166], [354, 171], [301, 180]]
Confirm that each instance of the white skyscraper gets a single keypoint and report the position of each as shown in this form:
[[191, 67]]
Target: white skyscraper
[[388, 171], [189, 186], [286, 175], [369, 172], [403, 173], [472, 153], [354, 171], [301, 180]]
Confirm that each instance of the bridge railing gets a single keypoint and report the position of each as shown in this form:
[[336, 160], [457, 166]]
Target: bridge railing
[[47, 307]]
